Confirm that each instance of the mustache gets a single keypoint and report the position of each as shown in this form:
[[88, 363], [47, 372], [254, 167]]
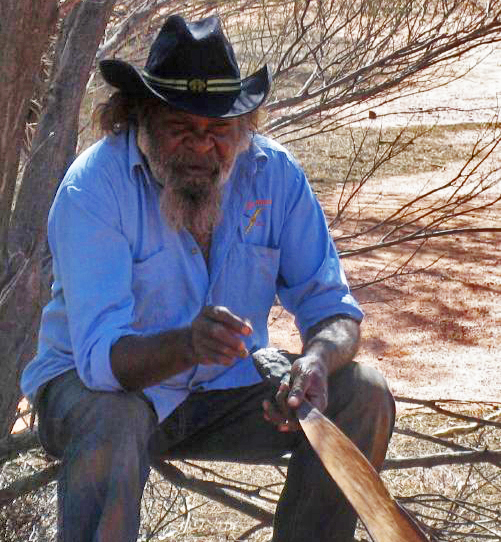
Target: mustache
[[196, 170]]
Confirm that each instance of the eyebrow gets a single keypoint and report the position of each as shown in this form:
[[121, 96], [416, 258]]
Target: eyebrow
[[172, 116]]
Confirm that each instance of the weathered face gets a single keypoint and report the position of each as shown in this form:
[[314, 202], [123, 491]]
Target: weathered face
[[192, 157]]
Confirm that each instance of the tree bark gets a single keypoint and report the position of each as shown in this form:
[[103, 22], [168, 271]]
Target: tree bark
[[25, 289], [55, 141], [25, 27]]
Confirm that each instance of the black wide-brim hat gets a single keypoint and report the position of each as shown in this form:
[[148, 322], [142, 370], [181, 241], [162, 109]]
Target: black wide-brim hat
[[192, 67]]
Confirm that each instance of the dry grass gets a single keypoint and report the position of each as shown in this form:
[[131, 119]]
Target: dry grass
[[433, 149], [31, 518], [455, 502]]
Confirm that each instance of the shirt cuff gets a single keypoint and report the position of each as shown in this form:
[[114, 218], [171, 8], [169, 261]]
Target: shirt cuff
[[99, 375]]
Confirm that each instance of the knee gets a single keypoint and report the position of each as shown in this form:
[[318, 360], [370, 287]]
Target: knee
[[362, 387], [372, 391], [361, 404], [109, 421], [107, 441], [117, 413]]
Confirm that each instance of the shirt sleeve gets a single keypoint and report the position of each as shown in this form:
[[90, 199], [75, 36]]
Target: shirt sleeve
[[312, 284], [93, 272]]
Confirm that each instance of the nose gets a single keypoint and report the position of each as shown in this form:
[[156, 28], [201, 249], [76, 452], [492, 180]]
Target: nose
[[200, 141]]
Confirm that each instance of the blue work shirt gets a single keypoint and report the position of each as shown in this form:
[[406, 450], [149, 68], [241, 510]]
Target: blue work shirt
[[119, 269]]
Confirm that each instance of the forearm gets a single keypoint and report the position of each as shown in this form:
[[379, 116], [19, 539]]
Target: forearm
[[335, 340], [138, 362]]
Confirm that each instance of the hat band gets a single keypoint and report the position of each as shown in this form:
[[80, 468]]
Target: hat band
[[196, 85]]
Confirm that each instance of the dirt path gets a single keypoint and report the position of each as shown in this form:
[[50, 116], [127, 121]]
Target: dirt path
[[434, 334], [474, 97]]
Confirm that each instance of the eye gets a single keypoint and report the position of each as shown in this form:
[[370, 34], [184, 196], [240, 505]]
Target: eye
[[177, 128], [221, 128]]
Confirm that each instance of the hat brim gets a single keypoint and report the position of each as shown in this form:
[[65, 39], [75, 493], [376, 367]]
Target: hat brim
[[253, 91]]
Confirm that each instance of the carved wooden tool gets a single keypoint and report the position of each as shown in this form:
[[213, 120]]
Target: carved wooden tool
[[358, 480]]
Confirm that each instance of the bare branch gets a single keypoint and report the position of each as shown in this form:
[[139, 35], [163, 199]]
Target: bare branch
[[432, 439], [416, 237], [13, 445], [435, 460], [434, 405], [27, 484], [213, 490], [465, 429]]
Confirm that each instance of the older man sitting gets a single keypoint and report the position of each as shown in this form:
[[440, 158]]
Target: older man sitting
[[171, 238]]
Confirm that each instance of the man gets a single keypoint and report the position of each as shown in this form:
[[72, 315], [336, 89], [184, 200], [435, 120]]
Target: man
[[170, 239]]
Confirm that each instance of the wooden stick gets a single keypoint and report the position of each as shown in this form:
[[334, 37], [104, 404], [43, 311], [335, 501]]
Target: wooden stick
[[383, 518]]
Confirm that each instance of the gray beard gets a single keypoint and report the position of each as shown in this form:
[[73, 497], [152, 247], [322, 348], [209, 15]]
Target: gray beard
[[189, 201], [192, 188], [191, 197]]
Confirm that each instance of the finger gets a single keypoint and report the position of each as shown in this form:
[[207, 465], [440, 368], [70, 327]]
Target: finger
[[291, 423], [290, 426], [281, 399], [318, 397], [297, 391], [236, 349], [274, 415], [225, 316], [220, 337], [206, 355]]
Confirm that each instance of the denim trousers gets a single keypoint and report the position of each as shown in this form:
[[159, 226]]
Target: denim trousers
[[105, 441]]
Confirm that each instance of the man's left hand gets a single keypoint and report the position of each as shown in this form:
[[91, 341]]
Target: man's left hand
[[308, 380], [329, 346]]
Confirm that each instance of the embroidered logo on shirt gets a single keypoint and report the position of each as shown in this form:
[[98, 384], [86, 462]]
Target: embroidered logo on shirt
[[258, 205], [253, 219]]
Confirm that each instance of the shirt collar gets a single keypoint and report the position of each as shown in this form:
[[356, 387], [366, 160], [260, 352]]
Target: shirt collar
[[260, 156], [255, 157]]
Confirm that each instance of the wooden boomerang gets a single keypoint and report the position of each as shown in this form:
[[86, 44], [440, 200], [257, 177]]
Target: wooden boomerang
[[358, 480]]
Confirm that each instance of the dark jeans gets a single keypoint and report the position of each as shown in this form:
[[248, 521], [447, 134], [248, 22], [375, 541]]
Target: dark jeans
[[105, 440]]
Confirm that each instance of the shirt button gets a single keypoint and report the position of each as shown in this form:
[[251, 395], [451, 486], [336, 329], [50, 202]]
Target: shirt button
[[194, 250]]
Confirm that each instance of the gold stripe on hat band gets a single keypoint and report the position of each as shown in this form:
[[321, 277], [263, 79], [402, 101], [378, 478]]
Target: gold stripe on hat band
[[196, 84]]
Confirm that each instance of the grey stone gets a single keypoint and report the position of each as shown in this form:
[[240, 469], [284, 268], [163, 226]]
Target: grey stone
[[273, 365]]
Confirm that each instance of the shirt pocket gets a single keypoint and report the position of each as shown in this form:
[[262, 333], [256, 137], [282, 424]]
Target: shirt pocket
[[250, 281], [162, 299]]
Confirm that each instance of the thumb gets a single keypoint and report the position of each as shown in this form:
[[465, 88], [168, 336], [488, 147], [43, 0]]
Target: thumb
[[297, 391]]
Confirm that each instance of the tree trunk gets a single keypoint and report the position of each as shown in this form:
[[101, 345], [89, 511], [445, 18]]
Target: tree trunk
[[55, 142], [53, 148], [25, 27]]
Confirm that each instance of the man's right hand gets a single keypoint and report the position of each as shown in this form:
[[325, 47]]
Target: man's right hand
[[216, 336]]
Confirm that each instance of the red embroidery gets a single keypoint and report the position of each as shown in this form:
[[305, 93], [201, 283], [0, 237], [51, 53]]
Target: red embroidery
[[251, 204]]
